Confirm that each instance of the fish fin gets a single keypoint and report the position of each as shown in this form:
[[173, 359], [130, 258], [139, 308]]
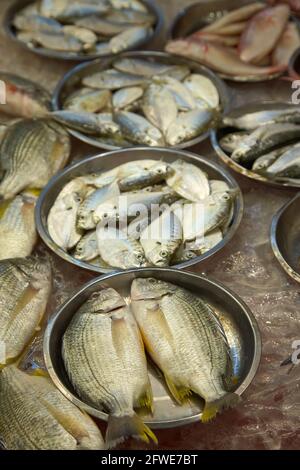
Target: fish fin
[[146, 400], [211, 409], [38, 372], [179, 392], [121, 427]]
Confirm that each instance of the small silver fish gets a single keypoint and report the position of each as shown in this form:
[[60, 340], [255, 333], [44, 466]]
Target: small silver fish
[[137, 129], [112, 80], [230, 142], [287, 165], [87, 248], [188, 125], [159, 106], [126, 96], [130, 38], [88, 100]]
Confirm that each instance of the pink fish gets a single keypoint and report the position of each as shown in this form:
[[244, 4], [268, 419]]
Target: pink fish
[[234, 16], [288, 43], [293, 4], [262, 33], [222, 59], [211, 37]]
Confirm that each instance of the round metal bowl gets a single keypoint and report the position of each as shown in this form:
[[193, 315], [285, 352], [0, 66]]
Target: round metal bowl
[[200, 14], [216, 136], [110, 160], [285, 237], [74, 56], [239, 324], [294, 65], [74, 76]]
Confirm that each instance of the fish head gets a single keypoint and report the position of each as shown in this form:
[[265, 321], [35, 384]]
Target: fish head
[[103, 301], [154, 137], [224, 197], [162, 169], [38, 270], [133, 258], [107, 211], [150, 288]]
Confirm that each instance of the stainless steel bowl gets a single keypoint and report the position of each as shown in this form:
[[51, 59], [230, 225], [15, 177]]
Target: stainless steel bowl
[[74, 76], [74, 56], [240, 326], [216, 136], [285, 237], [294, 65], [200, 14], [110, 160]]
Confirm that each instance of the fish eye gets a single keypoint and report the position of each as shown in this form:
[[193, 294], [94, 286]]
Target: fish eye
[[226, 197], [152, 280], [190, 255], [163, 253], [105, 215], [140, 256]]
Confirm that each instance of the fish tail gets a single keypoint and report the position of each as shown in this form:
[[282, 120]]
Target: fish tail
[[121, 427], [179, 392], [213, 407]]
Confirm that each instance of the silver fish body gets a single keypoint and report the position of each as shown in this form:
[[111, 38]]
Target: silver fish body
[[287, 164], [112, 80], [88, 100], [188, 125], [203, 89], [138, 130], [189, 181], [87, 248], [253, 120], [129, 38], [126, 97], [159, 106]]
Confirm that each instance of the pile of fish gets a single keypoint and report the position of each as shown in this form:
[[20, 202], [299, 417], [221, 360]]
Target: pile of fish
[[266, 142], [252, 41], [104, 355], [141, 213], [138, 101], [84, 27]]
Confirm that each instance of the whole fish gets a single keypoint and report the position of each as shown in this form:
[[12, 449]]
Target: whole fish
[[231, 29], [138, 130], [232, 140], [251, 121], [159, 106], [287, 44], [130, 38], [218, 186], [263, 32], [88, 100], [226, 40], [24, 291], [102, 25], [112, 80], [31, 152], [219, 58], [137, 225], [186, 341], [203, 89], [181, 94], [107, 125], [87, 37], [209, 241], [34, 415], [17, 229], [264, 139], [135, 5], [118, 249], [236, 15], [188, 125], [23, 97], [87, 248], [79, 10], [104, 357], [82, 121], [182, 254], [130, 17], [35, 23], [263, 162], [287, 165], [126, 96], [161, 238], [52, 8], [141, 67], [146, 177], [189, 181], [55, 40]]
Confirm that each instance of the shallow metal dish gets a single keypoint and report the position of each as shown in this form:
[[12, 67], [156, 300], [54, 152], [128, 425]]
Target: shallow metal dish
[[198, 15], [294, 65], [216, 136], [109, 160], [285, 237], [240, 326], [74, 56], [74, 76]]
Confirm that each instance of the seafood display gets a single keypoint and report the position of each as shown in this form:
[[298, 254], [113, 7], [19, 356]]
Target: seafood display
[[34, 415], [141, 101], [141, 213], [84, 29], [267, 142], [248, 43], [103, 353]]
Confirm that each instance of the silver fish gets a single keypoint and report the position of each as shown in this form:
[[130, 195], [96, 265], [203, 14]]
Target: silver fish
[[128, 4], [230, 142], [181, 94], [263, 162], [36, 23], [189, 181], [188, 125], [102, 25], [159, 106], [88, 100], [107, 125], [146, 177], [56, 40], [126, 96], [87, 37], [251, 121], [141, 67], [287, 165], [130, 38], [87, 248], [131, 17], [203, 89], [80, 10], [79, 120], [112, 80], [138, 130]]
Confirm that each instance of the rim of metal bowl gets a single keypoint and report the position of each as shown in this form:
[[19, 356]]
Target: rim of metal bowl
[[292, 62], [238, 212], [273, 238], [224, 92], [240, 169], [75, 57], [168, 423], [233, 78]]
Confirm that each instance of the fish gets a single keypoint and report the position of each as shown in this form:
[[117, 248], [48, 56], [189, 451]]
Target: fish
[[182, 254], [31, 152], [35, 415], [88, 100], [207, 243], [219, 58], [87, 37], [231, 29], [159, 106], [141, 67], [79, 10], [126, 96], [232, 140], [101, 48], [107, 125], [188, 125], [181, 94], [264, 139], [24, 292], [226, 40], [87, 247], [137, 225], [186, 340], [82, 121], [203, 89], [188, 181], [218, 186], [52, 8], [157, 173], [251, 121], [287, 164], [105, 359], [55, 40], [236, 15], [130, 38], [161, 238], [263, 33], [128, 4], [87, 207], [102, 25], [112, 80], [35, 23], [287, 45], [138, 130], [129, 16], [24, 98], [263, 162], [17, 228]]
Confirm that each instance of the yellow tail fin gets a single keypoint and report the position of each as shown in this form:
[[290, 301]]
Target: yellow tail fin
[[120, 428], [212, 408]]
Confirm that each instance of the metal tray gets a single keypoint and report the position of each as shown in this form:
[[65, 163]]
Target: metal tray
[[239, 324], [198, 15], [74, 56], [285, 237], [110, 160], [74, 76], [216, 136]]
